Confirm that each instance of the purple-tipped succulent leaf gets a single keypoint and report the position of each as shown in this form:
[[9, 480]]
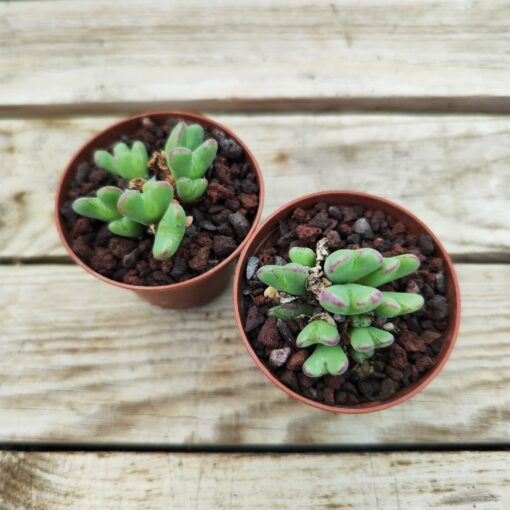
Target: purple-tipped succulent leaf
[[290, 278], [398, 303], [202, 158], [350, 299], [290, 310], [326, 360], [177, 137], [125, 227], [368, 339], [318, 332], [392, 268], [344, 266]]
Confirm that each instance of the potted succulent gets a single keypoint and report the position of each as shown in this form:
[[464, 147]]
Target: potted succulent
[[161, 204], [347, 301]]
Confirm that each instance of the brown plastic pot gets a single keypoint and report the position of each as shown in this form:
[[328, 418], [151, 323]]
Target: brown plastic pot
[[196, 291], [415, 226]]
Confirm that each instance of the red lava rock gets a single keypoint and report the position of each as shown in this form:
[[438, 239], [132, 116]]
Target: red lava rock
[[307, 234], [348, 214], [429, 336], [103, 260], [438, 306], [216, 191], [120, 246], [297, 359], [82, 226], [424, 363], [269, 334], [398, 228], [426, 244], [199, 261], [233, 204], [388, 388], [320, 220], [132, 278], [345, 229], [290, 379], [249, 201], [412, 342], [334, 381], [304, 381], [224, 245], [223, 173], [334, 240], [204, 239], [397, 356], [262, 300], [299, 215], [436, 264], [329, 396], [254, 318], [394, 373], [352, 399]]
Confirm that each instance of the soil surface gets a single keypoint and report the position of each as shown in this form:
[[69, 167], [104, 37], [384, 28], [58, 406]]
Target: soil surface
[[221, 218], [418, 336]]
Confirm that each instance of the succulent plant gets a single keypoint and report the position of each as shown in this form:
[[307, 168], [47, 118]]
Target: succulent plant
[[129, 163], [103, 207], [315, 285], [148, 202], [188, 156]]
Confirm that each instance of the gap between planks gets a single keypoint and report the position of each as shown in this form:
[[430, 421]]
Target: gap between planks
[[282, 105]]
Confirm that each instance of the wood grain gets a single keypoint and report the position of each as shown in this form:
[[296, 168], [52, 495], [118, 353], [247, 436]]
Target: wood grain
[[386, 481], [83, 362], [376, 52], [452, 171]]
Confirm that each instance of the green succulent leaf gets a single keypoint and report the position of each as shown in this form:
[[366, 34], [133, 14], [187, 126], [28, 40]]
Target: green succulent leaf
[[149, 206], [392, 268], [179, 162], [303, 256], [350, 299], [368, 339], [176, 138], [102, 207], [398, 303], [290, 278], [326, 360], [194, 136], [361, 321], [318, 332], [202, 158], [125, 227], [291, 310], [344, 266], [169, 232], [190, 190], [129, 163], [359, 356]]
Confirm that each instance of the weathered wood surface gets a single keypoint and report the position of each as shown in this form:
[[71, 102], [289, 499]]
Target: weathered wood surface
[[153, 481], [450, 170], [290, 53], [81, 361]]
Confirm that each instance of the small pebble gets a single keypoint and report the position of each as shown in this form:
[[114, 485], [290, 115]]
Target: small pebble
[[251, 267]]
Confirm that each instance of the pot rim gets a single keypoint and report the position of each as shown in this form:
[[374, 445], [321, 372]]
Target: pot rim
[[454, 317], [194, 117]]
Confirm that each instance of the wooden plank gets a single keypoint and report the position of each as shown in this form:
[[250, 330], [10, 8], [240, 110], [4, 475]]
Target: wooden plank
[[83, 362], [342, 53], [450, 170], [240, 481]]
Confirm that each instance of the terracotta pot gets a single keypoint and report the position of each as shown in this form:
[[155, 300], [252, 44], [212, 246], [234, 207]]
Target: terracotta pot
[[415, 226], [196, 291]]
